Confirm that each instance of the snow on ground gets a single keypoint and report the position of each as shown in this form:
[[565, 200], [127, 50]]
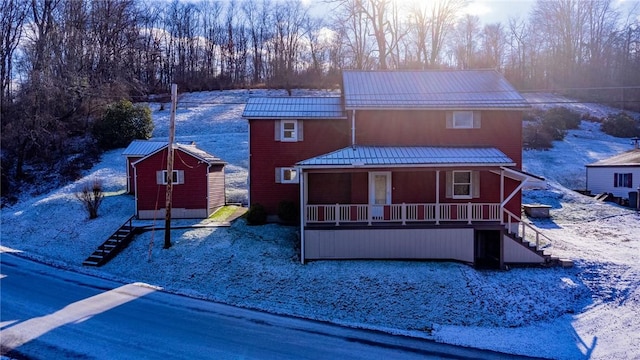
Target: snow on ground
[[587, 311]]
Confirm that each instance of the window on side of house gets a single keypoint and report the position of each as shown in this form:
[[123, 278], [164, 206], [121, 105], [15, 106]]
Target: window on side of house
[[623, 180], [177, 178], [289, 130], [463, 119], [461, 185], [287, 175]]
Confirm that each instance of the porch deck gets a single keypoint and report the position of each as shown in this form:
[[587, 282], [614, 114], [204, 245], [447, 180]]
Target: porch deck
[[423, 213]]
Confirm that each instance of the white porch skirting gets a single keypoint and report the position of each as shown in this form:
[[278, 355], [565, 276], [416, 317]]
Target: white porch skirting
[[445, 244]]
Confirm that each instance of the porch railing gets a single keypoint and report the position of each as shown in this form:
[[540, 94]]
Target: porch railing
[[515, 225], [402, 213]]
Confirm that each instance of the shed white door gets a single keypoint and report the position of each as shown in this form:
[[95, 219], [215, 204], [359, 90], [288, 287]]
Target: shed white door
[[379, 193]]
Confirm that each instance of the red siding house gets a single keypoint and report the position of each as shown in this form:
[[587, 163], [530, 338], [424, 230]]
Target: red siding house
[[198, 180], [402, 165]]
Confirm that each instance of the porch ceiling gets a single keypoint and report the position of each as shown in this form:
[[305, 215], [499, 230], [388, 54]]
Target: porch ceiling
[[404, 156]]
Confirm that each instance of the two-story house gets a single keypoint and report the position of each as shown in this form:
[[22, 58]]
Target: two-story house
[[403, 165]]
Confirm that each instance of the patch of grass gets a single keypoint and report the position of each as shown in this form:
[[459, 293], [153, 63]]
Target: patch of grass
[[224, 213]]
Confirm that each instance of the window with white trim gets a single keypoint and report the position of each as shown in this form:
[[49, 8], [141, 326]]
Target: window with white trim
[[288, 130], [623, 180], [289, 176], [461, 185], [463, 119], [177, 178]]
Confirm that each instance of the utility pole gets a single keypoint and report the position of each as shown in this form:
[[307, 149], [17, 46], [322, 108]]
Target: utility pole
[[172, 131]]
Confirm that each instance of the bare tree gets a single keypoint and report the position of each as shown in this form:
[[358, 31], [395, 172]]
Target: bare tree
[[465, 42], [12, 16]]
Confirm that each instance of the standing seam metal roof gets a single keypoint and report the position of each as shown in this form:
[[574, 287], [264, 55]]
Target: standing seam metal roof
[[430, 89], [404, 155], [294, 108], [145, 148]]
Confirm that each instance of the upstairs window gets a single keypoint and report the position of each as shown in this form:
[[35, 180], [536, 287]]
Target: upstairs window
[[623, 180], [289, 130], [463, 119], [177, 178]]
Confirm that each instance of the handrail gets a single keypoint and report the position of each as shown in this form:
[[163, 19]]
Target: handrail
[[539, 234]]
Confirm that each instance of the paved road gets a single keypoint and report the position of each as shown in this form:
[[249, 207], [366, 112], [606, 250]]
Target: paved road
[[48, 313]]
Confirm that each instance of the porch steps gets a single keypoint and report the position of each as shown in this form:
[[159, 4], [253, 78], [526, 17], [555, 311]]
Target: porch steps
[[113, 245], [549, 260]]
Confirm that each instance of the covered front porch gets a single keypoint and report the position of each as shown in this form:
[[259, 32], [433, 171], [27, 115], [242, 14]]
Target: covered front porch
[[407, 202]]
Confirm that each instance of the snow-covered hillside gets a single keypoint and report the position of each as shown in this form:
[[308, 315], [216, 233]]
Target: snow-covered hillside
[[589, 310]]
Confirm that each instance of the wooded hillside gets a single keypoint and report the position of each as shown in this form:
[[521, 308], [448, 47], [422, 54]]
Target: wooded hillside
[[64, 61]]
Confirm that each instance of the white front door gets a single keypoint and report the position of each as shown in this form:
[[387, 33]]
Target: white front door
[[379, 193]]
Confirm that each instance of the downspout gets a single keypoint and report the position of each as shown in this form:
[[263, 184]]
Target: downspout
[[249, 171], [302, 212], [135, 188], [208, 189], [353, 129]]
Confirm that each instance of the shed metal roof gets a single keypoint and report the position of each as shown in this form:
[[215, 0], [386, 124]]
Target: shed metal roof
[[429, 89], [404, 156], [627, 158], [294, 108], [143, 147]]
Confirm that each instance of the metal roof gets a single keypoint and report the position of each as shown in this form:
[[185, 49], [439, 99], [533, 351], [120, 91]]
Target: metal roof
[[627, 158], [294, 108], [137, 147], [392, 156], [429, 89], [200, 154], [143, 147]]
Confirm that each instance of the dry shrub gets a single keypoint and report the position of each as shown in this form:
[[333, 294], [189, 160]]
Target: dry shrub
[[91, 196]]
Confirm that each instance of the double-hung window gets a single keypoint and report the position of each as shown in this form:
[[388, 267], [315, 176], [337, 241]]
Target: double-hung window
[[462, 185], [177, 178], [289, 130]]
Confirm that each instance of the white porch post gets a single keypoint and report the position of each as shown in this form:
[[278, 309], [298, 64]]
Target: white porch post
[[303, 210], [502, 197], [437, 197]]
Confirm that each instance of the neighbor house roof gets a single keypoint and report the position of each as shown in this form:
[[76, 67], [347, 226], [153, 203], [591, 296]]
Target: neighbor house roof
[[429, 89], [407, 156], [627, 158], [294, 108], [190, 149]]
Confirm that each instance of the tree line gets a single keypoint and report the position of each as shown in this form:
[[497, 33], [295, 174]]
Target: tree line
[[64, 61]]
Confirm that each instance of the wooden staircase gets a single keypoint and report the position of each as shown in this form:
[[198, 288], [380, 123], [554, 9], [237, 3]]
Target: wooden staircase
[[113, 245], [518, 234]]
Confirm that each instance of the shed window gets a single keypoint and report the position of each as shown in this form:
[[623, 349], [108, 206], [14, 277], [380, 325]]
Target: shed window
[[623, 180], [178, 177]]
